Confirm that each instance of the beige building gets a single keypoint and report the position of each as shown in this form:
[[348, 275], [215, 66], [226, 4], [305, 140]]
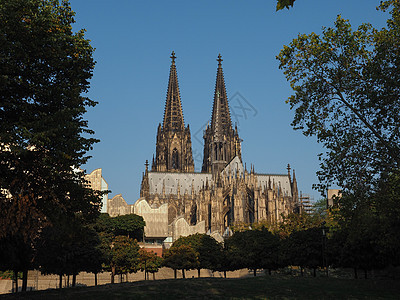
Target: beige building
[[331, 194], [97, 182]]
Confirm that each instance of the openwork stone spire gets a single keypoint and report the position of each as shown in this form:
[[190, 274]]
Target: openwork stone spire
[[173, 115], [173, 146], [221, 142], [221, 118]]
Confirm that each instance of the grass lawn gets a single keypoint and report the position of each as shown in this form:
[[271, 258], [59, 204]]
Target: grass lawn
[[263, 287]]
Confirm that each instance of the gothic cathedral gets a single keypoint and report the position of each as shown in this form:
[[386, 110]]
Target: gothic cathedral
[[224, 193]]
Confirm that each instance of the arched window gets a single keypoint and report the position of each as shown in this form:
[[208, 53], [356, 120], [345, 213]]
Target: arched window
[[175, 159]]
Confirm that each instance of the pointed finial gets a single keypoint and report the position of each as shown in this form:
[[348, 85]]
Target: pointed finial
[[219, 59], [147, 164], [173, 57]]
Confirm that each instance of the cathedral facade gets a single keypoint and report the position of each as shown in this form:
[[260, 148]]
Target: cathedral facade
[[224, 193]]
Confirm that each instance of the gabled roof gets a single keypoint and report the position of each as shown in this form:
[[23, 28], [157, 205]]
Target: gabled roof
[[171, 180], [234, 167], [281, 182]]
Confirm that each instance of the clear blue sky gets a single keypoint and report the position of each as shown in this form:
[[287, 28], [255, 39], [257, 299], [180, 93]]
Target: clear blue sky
[[134, 40]]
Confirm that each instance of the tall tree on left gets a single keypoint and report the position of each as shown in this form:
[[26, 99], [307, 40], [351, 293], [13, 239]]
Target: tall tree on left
[[44, 71]]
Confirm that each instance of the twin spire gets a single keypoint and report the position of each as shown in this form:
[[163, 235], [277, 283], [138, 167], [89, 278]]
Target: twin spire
[[173, 115]]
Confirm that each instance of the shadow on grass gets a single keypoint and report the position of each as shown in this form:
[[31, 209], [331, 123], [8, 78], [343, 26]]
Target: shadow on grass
[[265, 287]]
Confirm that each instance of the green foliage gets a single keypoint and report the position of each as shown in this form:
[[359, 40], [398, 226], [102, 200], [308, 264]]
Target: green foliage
[[320, 209], [113, 231], [181, 257], [130, 225], [9, 274], [206, 248], [124, 255], [254, 249], [347, 95], [304, 248], [68, 247], [149, 261], [281, 4], [297, 222], [44, 70], [366, 231]]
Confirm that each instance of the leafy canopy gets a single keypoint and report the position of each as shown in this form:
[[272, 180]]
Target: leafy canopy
[[346, 93], [44, 70]]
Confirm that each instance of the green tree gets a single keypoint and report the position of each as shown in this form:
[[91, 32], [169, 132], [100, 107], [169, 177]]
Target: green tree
[[124, 256], [149, 262], [130, 225], [254, 249], [44, 70], [320, 209], [67, 248], [207, 250], [296, 222], [181, 257], [347, 95], [304, 248], [224, 260], [386, 208], [365, 235]]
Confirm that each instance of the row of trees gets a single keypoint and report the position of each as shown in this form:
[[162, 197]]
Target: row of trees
[[317, 241], [71, 246]]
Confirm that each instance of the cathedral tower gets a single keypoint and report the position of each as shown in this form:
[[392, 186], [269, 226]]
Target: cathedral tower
[[221, 141], [174, 146]]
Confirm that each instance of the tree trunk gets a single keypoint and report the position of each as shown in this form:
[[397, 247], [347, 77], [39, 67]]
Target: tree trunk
[[224, 274], [145, 270], [24, 280], [175, 273], [301, 271], [120, 278], [112, 274], [95, 279], [269, 272], [16, 280], [60, 282], [198, 272], [127, 276], [154, 275], [74, 279], [315, 272], [355, 273], [255, 272], [183, 273]]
